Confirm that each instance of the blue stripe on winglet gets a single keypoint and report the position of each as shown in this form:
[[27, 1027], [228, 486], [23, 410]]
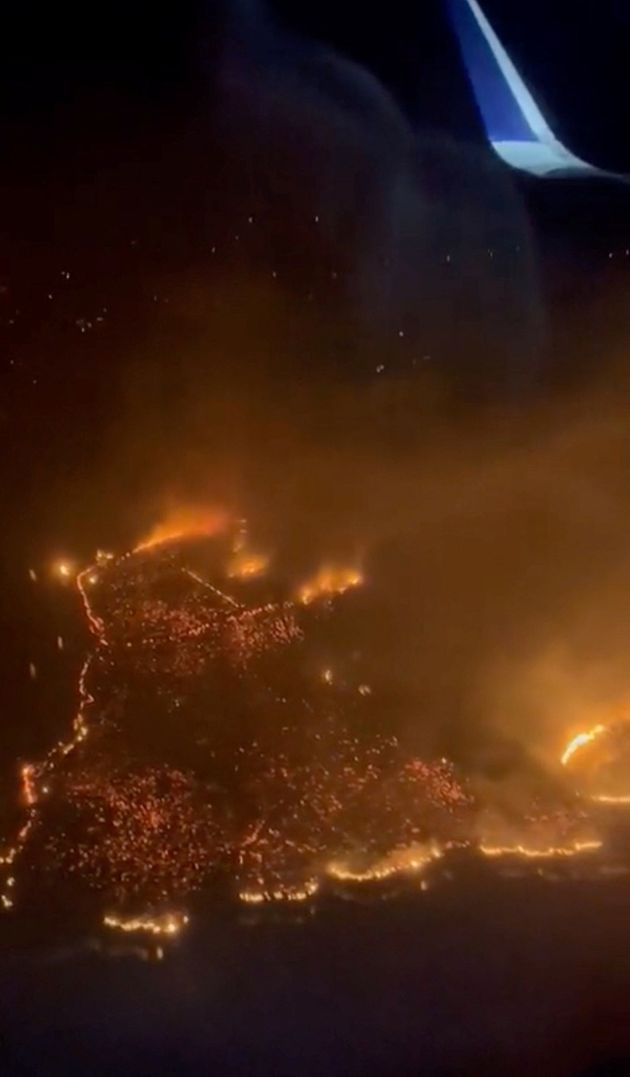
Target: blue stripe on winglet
[[502, 115]]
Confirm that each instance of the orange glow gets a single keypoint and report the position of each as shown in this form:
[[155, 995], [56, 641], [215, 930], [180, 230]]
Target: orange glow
[[602, 798], [245, 564], [329, 580], [63, 569], [579, 741], [185, 522]]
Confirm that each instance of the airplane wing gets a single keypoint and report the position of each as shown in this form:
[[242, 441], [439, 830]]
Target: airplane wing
[[515, 126]]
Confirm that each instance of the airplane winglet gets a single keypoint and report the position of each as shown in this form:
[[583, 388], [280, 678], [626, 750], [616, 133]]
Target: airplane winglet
[[515, 126]]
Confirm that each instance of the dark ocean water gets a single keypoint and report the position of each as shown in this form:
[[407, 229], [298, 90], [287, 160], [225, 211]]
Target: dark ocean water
[[479, 975]]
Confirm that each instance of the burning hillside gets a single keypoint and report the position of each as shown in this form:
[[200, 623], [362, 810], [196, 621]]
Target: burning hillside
[[213, 752]]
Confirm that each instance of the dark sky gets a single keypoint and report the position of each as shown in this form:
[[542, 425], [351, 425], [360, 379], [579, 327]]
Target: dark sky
[[575, 55], [136, 145]]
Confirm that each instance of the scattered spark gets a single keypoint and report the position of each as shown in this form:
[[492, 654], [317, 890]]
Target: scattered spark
[[32, 669], [32, 575]]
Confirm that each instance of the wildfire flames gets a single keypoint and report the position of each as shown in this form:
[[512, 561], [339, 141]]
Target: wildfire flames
[[168, 924], [580, 741], [605, 770], [550, 852], [209, 749], [329, 580]]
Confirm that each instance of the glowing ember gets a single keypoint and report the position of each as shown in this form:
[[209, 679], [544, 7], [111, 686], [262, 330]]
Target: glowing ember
[[131, 833]]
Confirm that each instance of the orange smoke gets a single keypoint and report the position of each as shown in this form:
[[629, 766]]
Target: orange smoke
[[329, 580], [185, 522]]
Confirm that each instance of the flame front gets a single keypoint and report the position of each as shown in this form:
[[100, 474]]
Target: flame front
[[329, 580], [550, 852], [165, 924], [579, 741], [407, 861]]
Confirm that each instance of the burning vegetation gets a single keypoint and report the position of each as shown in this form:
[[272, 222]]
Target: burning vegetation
[[211, 754]]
